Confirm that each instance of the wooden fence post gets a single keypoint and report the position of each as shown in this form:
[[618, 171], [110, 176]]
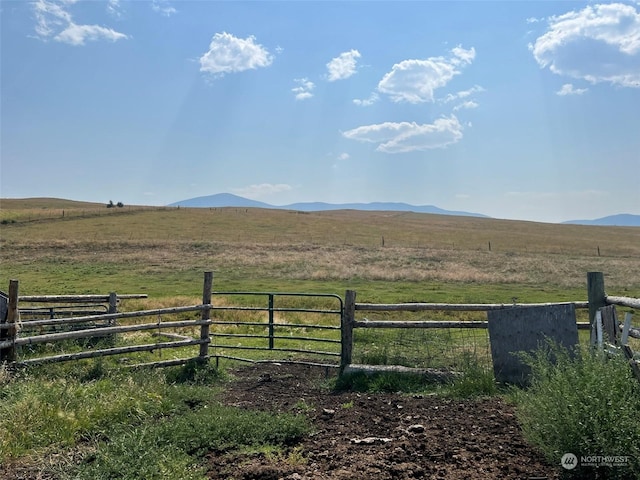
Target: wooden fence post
[[346, 330], [113, 308], [597, 299], [204, 329], [13, 318], [113, 302]]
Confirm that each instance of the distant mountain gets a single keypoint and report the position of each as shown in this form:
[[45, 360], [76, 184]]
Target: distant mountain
[[621, 220], [220, 200], [379, 206], [229, 200]]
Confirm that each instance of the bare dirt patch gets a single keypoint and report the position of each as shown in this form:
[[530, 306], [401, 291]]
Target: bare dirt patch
[[381, 436]]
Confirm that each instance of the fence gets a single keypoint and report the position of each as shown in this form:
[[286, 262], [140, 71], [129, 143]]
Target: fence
[[449, 343], [277, 337], [288, 330], [439, 343], [12, 330]]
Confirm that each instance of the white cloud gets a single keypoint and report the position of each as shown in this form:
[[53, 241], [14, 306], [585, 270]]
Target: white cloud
[[567, 89], [163, 7], [78, 34], [53, 20], [415, 81], [344, 156], [261, 190], [343, 66], [461, 55], [114, 8], [400, 137], [229, 54], [600, 43], [367, 102], [304, 88], [463, 94], [469, 104], [533, 20]]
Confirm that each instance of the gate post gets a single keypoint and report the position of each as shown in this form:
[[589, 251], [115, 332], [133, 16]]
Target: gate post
[[597, 299], [346, 328], [204, 329], [271, 322], [10, 333]]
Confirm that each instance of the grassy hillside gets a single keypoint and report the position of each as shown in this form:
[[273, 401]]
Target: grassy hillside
[[391, 255]]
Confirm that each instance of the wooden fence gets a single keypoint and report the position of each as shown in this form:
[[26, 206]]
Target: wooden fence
[[92, 327], [597, 300], [11, 327]]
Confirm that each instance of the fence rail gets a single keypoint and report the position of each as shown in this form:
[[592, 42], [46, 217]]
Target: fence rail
[[219, 349], [11, 337], [211, 342], [596, 300]]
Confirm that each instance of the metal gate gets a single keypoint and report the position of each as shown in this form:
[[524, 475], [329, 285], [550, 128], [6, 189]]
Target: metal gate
[[266, 330]]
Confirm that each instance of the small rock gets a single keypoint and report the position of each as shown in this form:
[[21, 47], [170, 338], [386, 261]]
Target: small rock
[[369, 440], [417, 428], [328, 411]]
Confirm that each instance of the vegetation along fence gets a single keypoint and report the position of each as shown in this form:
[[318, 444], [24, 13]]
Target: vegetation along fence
[[320, 329]]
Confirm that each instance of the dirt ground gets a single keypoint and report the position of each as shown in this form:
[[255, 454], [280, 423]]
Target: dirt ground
[[377, 436]]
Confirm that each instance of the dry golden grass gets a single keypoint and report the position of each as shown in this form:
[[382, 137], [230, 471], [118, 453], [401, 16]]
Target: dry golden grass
[[267, 246]]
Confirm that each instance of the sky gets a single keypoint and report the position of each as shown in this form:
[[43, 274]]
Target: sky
[[523, 110]]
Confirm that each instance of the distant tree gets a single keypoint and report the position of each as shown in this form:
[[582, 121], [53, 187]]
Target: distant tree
[[110, 204], [120, 204]]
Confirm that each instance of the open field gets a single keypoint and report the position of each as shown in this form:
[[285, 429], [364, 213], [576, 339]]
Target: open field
[[95, 421], [385, 256]]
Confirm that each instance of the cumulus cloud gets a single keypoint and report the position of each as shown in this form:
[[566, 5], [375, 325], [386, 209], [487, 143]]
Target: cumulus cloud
[[261, 190], [415, 80], [367, 102], [600, 44], [304, 88], [568, 89], [229, 54], [343, 66], [463, 94], [79, 34], [469, 104], [344, 156], [401, 137], [53, 20], [163, 7]]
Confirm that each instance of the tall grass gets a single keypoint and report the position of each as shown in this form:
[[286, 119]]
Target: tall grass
[[585, 403], [130, 425]]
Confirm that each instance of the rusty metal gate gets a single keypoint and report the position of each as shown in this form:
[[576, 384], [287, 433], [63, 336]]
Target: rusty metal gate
[[236, 328]]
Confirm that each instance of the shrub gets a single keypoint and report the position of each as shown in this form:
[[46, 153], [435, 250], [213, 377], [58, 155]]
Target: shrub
[[585, 403]]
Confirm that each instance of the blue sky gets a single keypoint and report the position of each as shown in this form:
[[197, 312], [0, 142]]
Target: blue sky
[[518, 110]]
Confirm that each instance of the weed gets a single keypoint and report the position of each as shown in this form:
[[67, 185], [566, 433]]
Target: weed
[[584, 403], [475, 380], [303, 407]]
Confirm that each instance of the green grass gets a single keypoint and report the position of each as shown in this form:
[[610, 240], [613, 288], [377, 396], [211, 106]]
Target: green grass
[[157, 424], [585, 403], [474, 380], [151, 424]]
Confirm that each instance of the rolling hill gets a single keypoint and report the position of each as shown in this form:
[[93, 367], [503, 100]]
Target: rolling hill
[[230, 200]]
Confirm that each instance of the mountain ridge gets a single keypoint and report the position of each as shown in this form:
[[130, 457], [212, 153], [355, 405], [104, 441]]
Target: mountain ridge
[[230, 200]]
